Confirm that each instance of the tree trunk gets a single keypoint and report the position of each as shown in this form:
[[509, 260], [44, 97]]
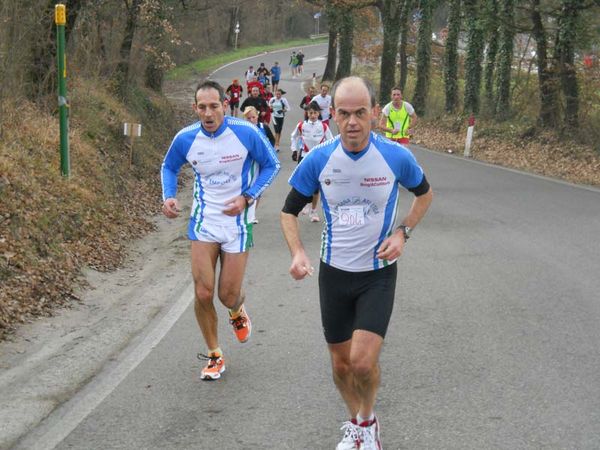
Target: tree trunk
[[505, 59], [121, 75], [475, 38], [423, 57], [332, 19], [492, 30], [390, 17], [346, 44], [548, 116], [234, 12], [566, 59], [451, 57], [404, 30]]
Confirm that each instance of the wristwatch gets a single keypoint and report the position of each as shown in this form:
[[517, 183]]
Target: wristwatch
[[249, 199], [406, 230]]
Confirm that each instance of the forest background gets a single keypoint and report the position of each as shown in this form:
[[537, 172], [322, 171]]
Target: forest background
[[527, 71]]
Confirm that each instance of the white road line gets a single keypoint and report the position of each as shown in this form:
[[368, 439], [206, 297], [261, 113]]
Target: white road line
[[71, 414]]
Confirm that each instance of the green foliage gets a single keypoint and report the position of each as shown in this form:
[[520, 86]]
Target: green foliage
[[505, 60], [423, 57], [451, 59], [475, 27]]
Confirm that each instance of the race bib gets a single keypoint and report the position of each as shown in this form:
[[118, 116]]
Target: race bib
[[351, 215]]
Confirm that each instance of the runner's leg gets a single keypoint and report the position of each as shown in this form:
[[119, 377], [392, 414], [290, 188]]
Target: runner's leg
[[343, 377], [204, 260], [233, 267], [364, 360]]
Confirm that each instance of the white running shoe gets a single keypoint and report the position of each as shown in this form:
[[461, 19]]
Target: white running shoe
[[351, 439], [369, 433], [314, 216]]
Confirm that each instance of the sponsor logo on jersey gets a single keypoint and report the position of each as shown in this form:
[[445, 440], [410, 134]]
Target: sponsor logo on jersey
[[230, 158], [374, 181]]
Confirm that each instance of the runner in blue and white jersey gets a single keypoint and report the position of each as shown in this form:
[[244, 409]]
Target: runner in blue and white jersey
[[358, 175], [233, 164]]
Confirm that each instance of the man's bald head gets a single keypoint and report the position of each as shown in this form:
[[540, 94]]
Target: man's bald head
[[352, 83]]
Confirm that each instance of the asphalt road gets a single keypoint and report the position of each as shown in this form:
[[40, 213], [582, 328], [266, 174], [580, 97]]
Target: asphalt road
[[494, 341]]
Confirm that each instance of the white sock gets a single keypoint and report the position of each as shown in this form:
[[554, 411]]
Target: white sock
[[361, 419]]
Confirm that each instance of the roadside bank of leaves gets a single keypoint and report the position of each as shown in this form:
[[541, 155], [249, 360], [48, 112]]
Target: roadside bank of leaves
[[50, 227]]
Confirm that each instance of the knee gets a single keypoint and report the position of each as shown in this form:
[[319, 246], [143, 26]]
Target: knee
[[341, 368], [363, 367], [204, 295], [229, 297]]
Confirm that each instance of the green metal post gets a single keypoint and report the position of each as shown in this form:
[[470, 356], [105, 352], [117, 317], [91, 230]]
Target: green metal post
[[60, 18]]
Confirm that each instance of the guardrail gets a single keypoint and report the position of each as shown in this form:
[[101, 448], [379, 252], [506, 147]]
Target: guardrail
[[319, 36]]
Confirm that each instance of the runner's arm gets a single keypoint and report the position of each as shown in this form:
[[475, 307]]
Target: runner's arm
[[301, 266], [264, 154]]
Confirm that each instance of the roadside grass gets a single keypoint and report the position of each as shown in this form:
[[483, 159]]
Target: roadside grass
[[214, 61]]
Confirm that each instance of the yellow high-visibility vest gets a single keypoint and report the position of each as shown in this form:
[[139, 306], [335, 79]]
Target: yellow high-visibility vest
[[398, 116]]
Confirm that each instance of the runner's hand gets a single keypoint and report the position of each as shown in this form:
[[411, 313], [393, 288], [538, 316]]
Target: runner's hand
[[171, 208], [301, 267], [391, 248], [235, 206]]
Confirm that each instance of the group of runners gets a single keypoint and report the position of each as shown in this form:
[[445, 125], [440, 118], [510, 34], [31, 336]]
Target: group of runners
[[358, 174]]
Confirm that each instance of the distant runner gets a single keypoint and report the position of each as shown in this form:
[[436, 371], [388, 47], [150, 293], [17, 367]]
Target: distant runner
[[396, 118]]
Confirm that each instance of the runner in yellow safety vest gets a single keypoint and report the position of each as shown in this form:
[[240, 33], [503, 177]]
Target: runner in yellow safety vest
[[397, 117]]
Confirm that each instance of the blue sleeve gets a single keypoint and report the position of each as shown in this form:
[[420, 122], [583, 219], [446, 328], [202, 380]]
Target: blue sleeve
[[405, 166], [305, 178], [174, 159], [263, 153]]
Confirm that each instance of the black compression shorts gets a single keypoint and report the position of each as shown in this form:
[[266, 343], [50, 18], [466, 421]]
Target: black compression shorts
[[355, 301], [278, 124]]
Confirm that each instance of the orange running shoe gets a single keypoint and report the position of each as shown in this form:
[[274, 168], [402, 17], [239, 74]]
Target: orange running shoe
[[214, 368], [242, 327]]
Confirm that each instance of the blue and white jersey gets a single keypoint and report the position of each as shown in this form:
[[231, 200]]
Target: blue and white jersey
[[359, 193], [236, 159]]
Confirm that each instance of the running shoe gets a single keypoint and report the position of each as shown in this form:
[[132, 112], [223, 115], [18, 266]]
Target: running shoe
[[369, 431], [351, 439], [314, 216], [242, 327], [214, 368], [255, 221]]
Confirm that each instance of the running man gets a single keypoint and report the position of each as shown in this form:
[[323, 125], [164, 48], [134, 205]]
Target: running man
[[234, 91], [279, 105], [359, 175], [275, 75], [225, 154], [294, 64], [324, 102], [396, 118], [300, 59], [305, 137]]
